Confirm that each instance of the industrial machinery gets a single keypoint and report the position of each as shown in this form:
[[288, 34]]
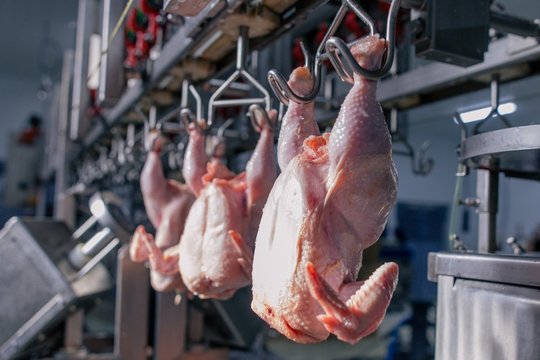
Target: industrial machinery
[[149, 66], [484, 296], [52, 271]]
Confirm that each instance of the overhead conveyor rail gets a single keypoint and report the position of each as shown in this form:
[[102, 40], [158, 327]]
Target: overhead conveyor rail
[[182, 45]]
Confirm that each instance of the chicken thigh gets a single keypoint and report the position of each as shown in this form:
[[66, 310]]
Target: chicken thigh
[[167, 205], [216, 251], [331, 202]]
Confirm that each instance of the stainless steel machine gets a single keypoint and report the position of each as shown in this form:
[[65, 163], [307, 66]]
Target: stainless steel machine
[[50, 273], [488, 304]]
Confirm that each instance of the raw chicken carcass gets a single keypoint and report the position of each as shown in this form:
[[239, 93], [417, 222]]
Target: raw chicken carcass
[[331, 202], [167, 205], [216, 250]]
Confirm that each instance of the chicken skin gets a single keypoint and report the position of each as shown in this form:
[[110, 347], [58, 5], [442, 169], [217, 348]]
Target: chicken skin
[[216, 250], [330, 202], [167, 204]]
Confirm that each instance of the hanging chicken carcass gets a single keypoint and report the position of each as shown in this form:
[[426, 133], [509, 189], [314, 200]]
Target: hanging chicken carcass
[[216, 251], [167, 204], [331, 202]]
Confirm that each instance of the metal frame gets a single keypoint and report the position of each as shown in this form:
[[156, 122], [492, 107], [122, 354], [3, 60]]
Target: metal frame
[[436, 76], [242, 51]]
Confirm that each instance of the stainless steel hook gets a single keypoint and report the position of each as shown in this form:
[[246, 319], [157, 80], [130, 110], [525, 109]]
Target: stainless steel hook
[[187, 89], [348, 66], [253, 109], [277, 81], [241, 53]]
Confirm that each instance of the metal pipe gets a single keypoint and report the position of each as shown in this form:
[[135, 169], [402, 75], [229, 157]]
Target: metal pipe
[[487, 191], [81, 231], [242, 48], [97, 242], [235, 102], [494, 92]]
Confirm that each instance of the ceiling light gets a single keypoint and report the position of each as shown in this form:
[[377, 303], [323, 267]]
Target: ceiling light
[[480, 114]]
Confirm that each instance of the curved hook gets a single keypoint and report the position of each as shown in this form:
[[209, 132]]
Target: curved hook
[[187, 117], [277, 81], [422, 165], [188, 88], [335, 46], [253, 109], [220, 134]]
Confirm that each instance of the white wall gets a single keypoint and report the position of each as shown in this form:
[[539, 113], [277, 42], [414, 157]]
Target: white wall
[[17, 102]]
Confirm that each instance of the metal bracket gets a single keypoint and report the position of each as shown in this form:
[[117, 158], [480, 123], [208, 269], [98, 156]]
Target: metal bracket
[[215, 102]]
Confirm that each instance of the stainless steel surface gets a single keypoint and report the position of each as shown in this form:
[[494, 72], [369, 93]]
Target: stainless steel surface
[[170, 327], [487, 191], [132, 302], [86, 25], [479, 320], [63, 144], [516, 151], [29, 251], [111, 71], [436, 76], [506, 269], [488, 306]]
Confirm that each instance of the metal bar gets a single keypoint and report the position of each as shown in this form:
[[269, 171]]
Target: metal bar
[[171, 326], [86, 25], [521, 270], [95, 260], [97, 242], [62, 206], [73, 332], [487, 191], [513, 25], [233, 102], [78, 234], [242, 48], [130, 332], [436, 76]]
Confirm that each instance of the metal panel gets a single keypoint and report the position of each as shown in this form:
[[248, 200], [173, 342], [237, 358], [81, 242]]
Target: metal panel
[[28, 274], [479, 320], [131, 323], [170, 331], [86, 25], [111, 73]]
